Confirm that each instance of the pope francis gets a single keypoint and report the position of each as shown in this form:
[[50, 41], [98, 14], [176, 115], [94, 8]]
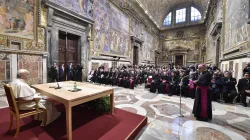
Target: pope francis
[[22, 91]]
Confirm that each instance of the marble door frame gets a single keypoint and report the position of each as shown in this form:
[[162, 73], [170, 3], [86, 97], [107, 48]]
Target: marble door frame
[[60, 21]]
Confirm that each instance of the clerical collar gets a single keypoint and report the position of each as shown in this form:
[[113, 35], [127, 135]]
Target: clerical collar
[[21, 80]]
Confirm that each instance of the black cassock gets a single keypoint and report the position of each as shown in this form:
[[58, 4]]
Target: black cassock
[[184, 88], [173, 84], [155, 83], [53, 74], [202, 109]]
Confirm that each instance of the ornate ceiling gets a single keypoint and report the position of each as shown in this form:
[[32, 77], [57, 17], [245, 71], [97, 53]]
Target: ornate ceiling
[[157, 9]]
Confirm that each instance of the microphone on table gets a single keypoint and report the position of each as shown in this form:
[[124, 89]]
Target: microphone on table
[[58, 87]]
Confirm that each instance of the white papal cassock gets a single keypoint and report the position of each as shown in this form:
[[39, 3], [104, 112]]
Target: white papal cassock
[[24, 91]]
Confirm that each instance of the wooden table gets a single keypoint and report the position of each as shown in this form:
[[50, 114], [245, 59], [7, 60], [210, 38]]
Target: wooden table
[[69, 99]]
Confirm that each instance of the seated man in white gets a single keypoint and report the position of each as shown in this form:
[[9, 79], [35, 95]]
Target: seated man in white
[[23, 91]]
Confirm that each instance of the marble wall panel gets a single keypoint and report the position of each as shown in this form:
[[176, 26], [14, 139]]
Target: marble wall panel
[[236, 69], [2, 70], [5, 67], [31, 63]]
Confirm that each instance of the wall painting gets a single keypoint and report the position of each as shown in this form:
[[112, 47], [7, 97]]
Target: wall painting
[[17, 18], [111, 29]]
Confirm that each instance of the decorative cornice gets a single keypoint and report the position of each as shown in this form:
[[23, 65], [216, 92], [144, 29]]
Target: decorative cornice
[[135, 39], [216, 29], [67, 11]]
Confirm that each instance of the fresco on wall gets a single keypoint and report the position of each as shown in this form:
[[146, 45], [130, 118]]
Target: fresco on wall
[[136, 29], [81, 7], [111, 29], [236, 17], [147, 47], [17, 18]]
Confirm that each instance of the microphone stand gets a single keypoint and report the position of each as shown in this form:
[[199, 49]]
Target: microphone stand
[[181, 115]]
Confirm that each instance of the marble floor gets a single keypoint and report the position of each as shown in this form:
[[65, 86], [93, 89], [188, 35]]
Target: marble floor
[[230, 122]]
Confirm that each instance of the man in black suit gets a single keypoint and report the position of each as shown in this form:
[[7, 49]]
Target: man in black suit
[[244, 88], [62, 73], [229, 90], [53, 73]]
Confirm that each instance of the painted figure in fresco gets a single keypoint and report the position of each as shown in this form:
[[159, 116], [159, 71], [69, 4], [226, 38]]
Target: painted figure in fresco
[[29, 21], [83, 4], [16, 16]]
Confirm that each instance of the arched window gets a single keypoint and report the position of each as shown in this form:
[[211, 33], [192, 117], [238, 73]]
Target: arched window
[[181, 15], [187, 14], [195, 14], [167, 20]]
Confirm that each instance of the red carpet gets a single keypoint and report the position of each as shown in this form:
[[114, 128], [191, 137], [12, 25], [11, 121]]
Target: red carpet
[[87, 125]]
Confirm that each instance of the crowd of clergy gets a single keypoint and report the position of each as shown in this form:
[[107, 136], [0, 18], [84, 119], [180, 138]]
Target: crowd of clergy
[[176, 80]]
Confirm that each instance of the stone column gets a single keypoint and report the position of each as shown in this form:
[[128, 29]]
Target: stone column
[[54, 38], [44, 61], [85, 53]]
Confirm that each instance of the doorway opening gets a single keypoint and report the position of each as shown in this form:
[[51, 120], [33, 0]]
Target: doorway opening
[[135, 55], [179, 60]]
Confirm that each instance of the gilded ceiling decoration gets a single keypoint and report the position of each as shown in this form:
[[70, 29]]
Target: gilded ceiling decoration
[[157, 9]]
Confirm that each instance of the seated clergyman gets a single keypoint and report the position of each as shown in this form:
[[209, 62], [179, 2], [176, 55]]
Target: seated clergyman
[[22, 91]]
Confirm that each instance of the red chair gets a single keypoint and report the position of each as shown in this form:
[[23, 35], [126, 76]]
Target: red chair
[[18, 114]]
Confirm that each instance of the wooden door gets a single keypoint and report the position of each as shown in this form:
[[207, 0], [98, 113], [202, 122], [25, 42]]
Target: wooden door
[[62, 48], [68, 49], [135, 55], [179, 60], [72, 49]]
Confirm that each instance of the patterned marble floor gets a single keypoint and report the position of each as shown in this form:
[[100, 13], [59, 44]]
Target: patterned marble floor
[[230, 122]]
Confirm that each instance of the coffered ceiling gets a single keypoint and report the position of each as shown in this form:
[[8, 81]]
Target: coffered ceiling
[[157, 9]]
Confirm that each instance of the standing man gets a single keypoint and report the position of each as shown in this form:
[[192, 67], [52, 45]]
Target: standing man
[[202, 109], [244, 88], [62, 73], [53, 73], [70, 72]]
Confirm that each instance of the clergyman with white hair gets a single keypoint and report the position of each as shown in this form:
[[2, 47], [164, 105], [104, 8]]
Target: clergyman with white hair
[[22, 91]]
